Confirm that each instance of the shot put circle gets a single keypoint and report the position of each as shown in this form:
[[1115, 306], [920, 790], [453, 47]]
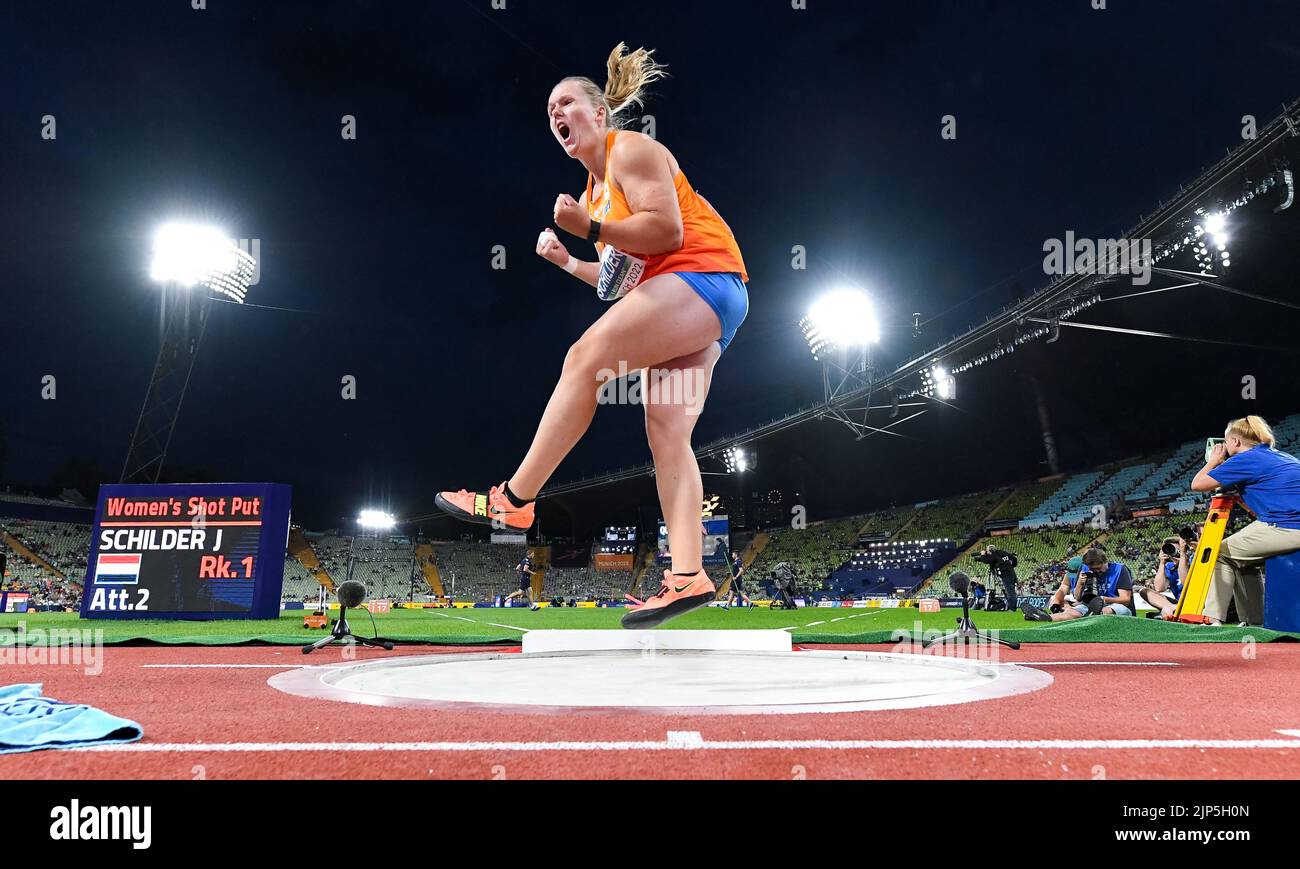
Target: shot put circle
[[665, 682]]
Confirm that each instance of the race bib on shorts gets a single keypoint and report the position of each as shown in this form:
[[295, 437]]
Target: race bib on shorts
[[619, 274]]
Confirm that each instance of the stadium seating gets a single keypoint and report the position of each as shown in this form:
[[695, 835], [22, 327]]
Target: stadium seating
[[477, 572], [1137, 543], [1119, 484], [882, 568], [1172, 476], [812, 552], [1075, 501], [64, 546], [299, 584], [1064, 498], [1024, 499], [887, 522], [1287, 433], [1053, 525], [587, 584], [384, 564], [1042, 553], [954, 518]]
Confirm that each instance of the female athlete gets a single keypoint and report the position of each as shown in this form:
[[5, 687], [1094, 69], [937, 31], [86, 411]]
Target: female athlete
[[674, 269]]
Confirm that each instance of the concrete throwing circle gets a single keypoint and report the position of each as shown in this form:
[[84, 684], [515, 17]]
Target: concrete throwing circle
[[673, 682]]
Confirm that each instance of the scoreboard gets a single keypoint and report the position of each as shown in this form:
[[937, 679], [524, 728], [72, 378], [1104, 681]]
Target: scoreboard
[[188, 551]]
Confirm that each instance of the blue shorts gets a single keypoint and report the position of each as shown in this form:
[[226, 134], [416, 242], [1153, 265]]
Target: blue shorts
[[726, 294]]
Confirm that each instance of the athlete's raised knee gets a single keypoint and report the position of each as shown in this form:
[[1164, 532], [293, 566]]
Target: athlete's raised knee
[[585, 357]]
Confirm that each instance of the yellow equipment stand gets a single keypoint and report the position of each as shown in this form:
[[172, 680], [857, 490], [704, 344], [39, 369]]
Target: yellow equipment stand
[[1191, 603]]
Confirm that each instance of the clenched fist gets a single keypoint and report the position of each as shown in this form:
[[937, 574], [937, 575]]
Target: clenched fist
[[570, 216], [549, 247]]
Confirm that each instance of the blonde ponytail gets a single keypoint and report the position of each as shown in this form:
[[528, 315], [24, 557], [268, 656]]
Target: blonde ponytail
[[1252, 428], [629, 73]]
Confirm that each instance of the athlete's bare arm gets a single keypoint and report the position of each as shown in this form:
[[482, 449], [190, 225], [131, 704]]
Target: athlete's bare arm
[[643, 170]]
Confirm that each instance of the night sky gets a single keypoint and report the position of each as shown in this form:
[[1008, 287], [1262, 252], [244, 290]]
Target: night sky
[[816, 127]]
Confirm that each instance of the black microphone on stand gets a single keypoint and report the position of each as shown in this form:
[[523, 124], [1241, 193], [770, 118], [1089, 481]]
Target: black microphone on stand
[[966, 630], [350, 594], [960, 583]]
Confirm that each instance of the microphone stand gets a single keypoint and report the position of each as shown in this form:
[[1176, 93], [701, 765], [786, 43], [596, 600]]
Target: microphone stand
[[966, 630], [341, 630]]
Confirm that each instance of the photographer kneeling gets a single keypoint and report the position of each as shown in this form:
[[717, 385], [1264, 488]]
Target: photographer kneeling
[[1104, 588], [1270, 481], [1065, 591]]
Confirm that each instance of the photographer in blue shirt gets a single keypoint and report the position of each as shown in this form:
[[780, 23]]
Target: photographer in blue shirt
[[1171, 571], [1103, 588], [1270, 486]]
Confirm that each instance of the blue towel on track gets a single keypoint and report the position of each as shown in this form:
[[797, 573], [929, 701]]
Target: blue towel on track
[[30, 722]]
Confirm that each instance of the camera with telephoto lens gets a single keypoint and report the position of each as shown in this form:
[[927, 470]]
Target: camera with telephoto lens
[[996, 559], [1188, 535]]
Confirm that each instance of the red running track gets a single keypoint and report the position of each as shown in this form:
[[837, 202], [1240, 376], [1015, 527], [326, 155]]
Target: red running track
[[1216, 692]]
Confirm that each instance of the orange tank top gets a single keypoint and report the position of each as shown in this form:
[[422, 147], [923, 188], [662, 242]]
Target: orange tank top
[[707, 242]]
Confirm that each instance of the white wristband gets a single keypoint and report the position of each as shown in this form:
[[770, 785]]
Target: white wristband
[[571, 266]]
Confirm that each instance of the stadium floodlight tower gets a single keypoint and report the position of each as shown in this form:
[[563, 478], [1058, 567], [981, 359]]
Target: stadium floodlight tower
[[194, 264], [841, 328], [376, 520], [371, 523], [737, 461]]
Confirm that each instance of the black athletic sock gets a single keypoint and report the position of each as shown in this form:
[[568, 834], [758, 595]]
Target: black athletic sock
[[684, 574], [515, 500]]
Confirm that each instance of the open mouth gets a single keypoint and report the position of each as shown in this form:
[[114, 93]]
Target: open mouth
[[565, 133]]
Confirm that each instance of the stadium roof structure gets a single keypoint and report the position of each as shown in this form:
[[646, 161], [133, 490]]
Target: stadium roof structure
[[1246, 172]]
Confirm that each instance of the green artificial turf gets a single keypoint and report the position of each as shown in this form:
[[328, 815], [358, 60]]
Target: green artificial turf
[[489, 626]]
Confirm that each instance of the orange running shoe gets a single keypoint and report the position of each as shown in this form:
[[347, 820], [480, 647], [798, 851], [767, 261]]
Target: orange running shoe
[[489, 509], [676, 596]]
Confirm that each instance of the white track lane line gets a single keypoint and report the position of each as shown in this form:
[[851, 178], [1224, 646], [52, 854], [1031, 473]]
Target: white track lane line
[[690, 741], [1094, 663], [235, 666], [875, 612], [445, 616], [477, 622]]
